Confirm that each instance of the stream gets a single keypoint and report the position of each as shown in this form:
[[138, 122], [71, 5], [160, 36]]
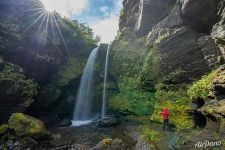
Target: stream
[[87, 136]]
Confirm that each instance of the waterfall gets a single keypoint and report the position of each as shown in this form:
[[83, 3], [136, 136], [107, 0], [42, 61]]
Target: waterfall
[[140, 17], [105, 81], [82, 112]]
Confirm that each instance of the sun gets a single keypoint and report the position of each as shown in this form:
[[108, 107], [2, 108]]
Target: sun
[[50, 6], [66, 8]]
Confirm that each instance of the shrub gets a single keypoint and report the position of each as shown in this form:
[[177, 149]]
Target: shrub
[[14, 75], [200, 88], [177, 101], [131, 99]]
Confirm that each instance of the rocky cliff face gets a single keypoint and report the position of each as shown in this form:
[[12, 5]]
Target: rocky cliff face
[[184, 32], [173, 43]]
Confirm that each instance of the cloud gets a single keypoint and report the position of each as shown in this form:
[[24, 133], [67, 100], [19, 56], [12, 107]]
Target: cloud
[[105, 11], [107, 28], [67, 8]]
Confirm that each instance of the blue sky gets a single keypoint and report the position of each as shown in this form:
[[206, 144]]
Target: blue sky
[[101, 15]]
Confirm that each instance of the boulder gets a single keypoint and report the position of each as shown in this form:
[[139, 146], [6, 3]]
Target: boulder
[[24, 125], [3, 129], [142, 144], [108, 122], [65, 123], [28, 142], [9, 145], [109, 144]]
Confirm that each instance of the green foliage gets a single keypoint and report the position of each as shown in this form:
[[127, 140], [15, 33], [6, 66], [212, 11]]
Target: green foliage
[[131, 100], [14, 75], [200, 88], [177, 93], [177, 101], [70, 71], [149, 134], [81, 31], [223, 144], [160, 38], [151, 65], [122, 14], [3, 129], [128, 56]]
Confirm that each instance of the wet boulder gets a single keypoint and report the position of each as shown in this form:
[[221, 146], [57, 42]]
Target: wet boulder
[[142, 144], [3, 129], [24, 125], [109, 144], [108, 122]]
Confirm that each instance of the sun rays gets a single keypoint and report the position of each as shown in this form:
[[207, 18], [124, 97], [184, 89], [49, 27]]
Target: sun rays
[[46, 21]]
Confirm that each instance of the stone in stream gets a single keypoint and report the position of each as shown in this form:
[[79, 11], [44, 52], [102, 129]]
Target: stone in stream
[[142, 144], [109, 144], [9, 144], [108, 122]]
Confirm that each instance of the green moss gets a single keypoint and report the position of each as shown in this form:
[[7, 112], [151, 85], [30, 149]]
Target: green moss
[[200, 88], [107, 141], [149, 134], [128, 56], [122, 14], [151, 66], [73, 69], [131, 99], [3, 129], [109, 85], [160, 38], [140, 119], [24, 125], [120, 104]]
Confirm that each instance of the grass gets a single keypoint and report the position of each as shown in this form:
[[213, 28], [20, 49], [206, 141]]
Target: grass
[[149, 134]]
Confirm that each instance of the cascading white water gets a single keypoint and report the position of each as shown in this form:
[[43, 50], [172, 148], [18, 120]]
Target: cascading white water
[[138, 25], [82, 112], [105, 81]]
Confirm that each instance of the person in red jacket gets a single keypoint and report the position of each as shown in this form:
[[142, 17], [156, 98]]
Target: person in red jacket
[[165, 115]]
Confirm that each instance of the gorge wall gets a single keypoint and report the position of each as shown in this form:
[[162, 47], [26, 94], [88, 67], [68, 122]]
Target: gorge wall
[[163, 47]]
